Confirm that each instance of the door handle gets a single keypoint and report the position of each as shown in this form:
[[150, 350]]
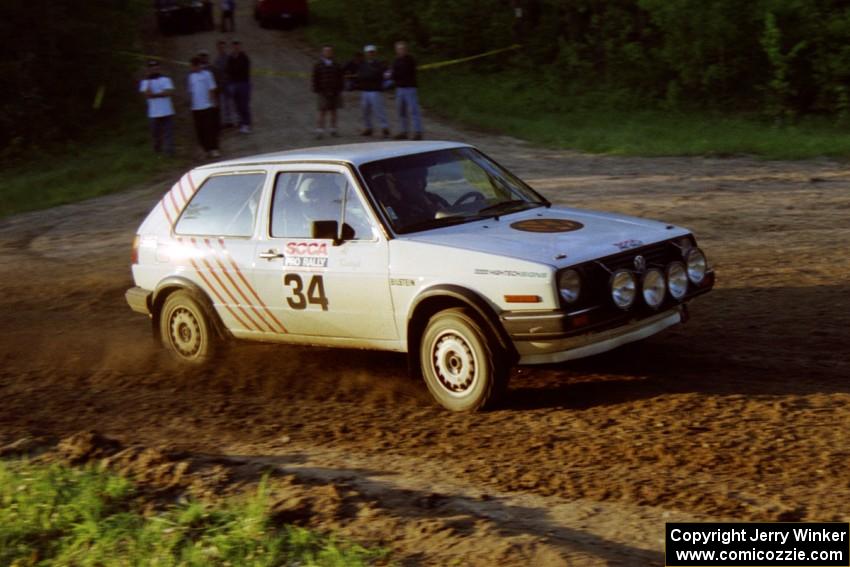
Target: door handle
[[270, 255]]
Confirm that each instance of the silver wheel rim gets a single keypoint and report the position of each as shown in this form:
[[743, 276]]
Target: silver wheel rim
[[185, 332], [454, 363]]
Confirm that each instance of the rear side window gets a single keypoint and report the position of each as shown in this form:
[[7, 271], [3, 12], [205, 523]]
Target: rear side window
[[225, 205]]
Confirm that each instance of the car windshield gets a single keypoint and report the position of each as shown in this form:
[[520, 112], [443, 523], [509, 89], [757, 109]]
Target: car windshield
[[433, 189]]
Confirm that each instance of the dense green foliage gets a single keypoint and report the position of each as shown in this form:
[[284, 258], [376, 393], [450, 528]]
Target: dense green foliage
[[57, 57], [780, 57], [62, 516]]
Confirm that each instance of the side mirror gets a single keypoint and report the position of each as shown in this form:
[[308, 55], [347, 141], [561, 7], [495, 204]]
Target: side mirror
[[329, 230]]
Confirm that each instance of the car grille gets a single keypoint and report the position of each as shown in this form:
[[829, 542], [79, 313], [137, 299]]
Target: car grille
[[596, 274]]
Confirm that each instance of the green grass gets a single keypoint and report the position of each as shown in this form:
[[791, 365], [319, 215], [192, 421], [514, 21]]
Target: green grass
[[119, 158], [509, 103], [532, 106], [55, 515]]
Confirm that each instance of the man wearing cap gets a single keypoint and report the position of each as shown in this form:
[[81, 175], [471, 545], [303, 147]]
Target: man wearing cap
[[407, 103], [370, 79], [157, 89], [327, 84], [202, 89]]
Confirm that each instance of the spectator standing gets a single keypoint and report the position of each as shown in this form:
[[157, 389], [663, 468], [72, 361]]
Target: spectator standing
[[327, 84], [370, 80], [202, 89], [157, 89], [227, 111], [407, 101], [239, 75], [228, 8]]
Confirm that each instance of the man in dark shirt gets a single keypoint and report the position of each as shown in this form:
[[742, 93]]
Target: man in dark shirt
[[370, 79], [327, 84], [239, 74], [407, 102]]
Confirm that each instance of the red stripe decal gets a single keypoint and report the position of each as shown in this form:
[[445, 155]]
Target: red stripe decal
[[237, 288], [182, 194], [174, 202], [214, 291], [167, 214], [249, 286], [191, 183], [213, 273]]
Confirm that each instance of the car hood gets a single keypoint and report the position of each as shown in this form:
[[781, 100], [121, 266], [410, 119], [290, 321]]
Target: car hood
[[571, 236]]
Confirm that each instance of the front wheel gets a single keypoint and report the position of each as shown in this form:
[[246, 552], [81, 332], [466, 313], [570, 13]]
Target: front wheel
[[464, 369], [186, 329]]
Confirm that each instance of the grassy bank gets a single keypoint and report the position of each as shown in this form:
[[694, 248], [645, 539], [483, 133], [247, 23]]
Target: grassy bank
[[116, 160], [55, 515], [535, 107], [510, 103]]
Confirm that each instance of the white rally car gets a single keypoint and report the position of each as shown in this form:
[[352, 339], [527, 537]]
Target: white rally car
[[428, 248]]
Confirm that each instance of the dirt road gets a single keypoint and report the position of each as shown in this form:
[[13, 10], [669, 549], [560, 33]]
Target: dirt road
[[742, 413]]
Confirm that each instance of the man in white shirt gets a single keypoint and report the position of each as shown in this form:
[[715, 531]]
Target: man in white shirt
[[202, 93], [157, 89]]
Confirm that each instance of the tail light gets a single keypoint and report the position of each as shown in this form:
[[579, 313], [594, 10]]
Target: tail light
[[134, 255]]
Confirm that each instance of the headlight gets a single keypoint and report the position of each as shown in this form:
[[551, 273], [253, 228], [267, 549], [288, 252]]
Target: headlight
[[677, 280], [569, 285], [653, 288], [697, 265], [623, 287]]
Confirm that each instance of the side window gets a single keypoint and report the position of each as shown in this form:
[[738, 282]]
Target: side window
[[356, 216], [304, 197], [225, 205]]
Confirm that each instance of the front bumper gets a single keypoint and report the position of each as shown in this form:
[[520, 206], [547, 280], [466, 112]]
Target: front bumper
[[139, 300], [558, 348]]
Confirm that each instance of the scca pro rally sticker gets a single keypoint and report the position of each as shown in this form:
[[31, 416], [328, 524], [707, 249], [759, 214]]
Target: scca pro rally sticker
[[547, 225], [306, 255]]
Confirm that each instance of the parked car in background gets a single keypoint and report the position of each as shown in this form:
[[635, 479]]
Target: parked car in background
[[427, 248], [184, 16], [281, 13]]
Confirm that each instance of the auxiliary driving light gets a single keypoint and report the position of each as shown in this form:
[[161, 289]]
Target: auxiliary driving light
[[623, 288], [697, 265], [677, 280], [653, 287]]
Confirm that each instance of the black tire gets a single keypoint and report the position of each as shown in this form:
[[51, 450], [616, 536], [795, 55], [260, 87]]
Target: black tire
[[187, 330], [463, 366]]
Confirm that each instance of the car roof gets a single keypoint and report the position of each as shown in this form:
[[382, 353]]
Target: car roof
[[355, 154]]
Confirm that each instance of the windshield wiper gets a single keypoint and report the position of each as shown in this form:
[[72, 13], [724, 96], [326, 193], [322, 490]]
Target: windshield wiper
[[505, 207]]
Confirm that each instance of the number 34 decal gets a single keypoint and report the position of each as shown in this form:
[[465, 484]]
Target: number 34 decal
[[315, 292]]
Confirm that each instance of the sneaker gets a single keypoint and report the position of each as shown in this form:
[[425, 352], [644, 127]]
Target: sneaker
[[366, 132], [215, 154], [402, 136], [417, 136], [386, 133]]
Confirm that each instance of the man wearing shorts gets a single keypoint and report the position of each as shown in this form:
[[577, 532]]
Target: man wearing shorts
[[328, 82]]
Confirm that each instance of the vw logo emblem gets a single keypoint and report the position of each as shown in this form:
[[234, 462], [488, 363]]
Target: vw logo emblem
[[640, 263]]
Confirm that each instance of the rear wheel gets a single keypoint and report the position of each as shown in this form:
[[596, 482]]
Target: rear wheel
[[465, 369], [187, 330]]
